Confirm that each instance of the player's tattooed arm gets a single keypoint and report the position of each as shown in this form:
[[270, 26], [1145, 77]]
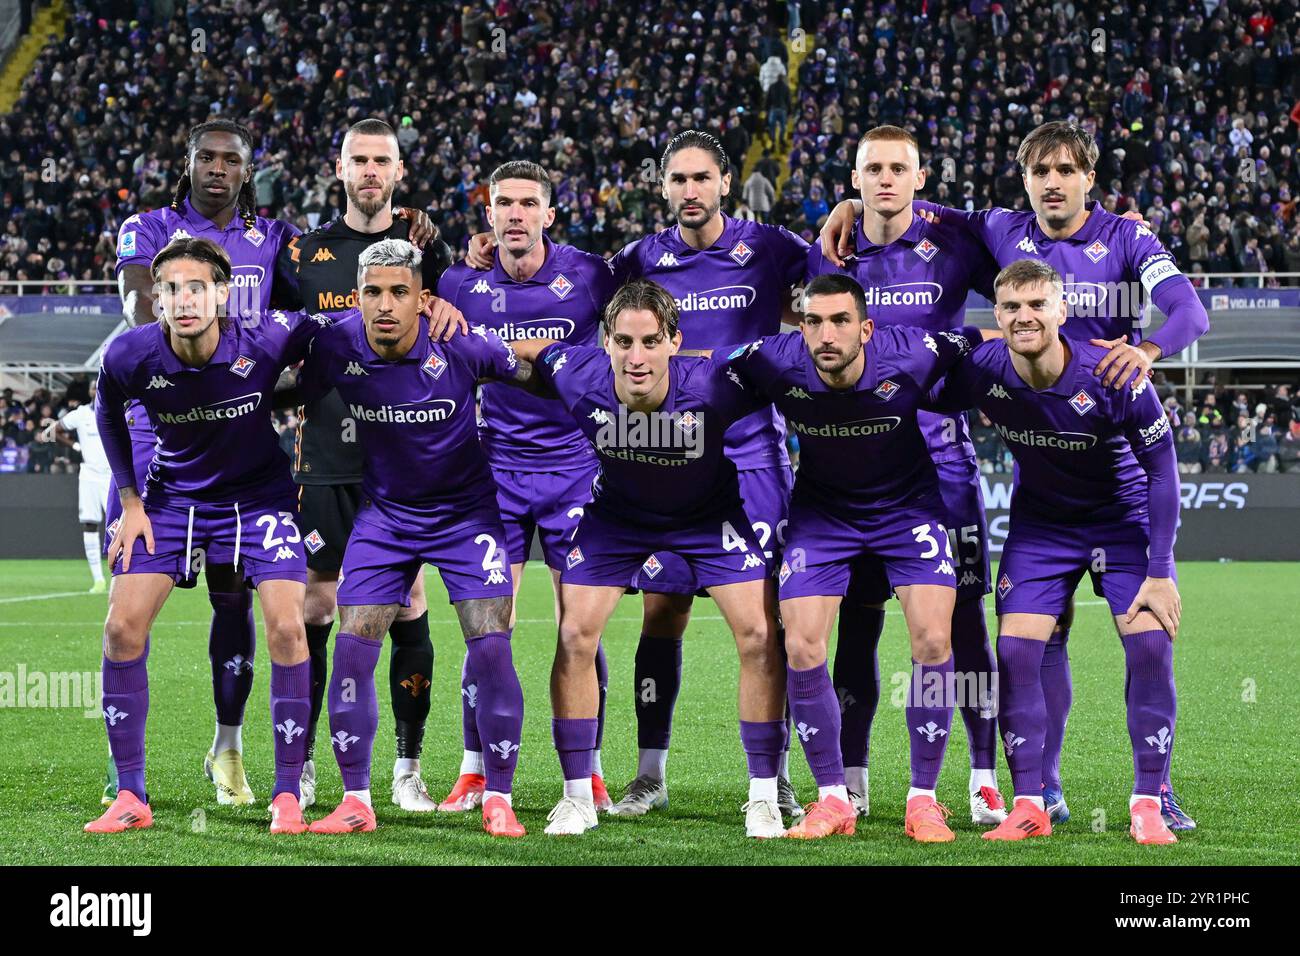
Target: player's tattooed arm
[[481, 616], [526, 377], [370, 621], [136, 287]]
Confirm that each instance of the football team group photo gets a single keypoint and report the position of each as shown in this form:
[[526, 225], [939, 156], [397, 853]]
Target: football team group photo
[[832, 432]]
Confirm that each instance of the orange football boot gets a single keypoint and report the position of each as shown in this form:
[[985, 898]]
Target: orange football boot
[[1025, 820], [466, 795], [351, 816], [925, 821], [1147, 826], [286, 815], [127, 812], [499, 819], [825, 818]]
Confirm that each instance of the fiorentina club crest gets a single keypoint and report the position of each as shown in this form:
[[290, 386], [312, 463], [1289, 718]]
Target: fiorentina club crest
[[741, 253], [1004, 585], [242, 366], [652, 566], [1096, 251], [254, 235], [925, 249], [886, 389], [434, 366], [560, 286], [574, 557], [314, 542], [687, 422], [1082, 402]]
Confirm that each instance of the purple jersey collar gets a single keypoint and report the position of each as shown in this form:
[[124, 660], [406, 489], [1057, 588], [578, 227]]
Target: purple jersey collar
[[1062, 387], [171, 363], [677, 244], [1088, 232], [866, 382], [544, 276], [911, 236], [195, 218]]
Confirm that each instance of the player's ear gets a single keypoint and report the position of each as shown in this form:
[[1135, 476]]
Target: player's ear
[[425, 297], [920, 178], [338, 167], [401, 172], [726, 183], [868, 329], [222, 292], [675, 342], [550, 217], [855, 180]]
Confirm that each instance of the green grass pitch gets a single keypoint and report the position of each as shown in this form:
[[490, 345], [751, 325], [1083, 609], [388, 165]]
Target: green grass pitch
[[1235, 762]]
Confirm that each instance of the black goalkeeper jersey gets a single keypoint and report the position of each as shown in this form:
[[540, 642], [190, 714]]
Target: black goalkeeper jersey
[[318, 272]]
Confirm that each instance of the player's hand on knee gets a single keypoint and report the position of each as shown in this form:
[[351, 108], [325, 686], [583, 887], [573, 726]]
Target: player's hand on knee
[[445, 320], [481, 247], [135, 525], [1160, 597]]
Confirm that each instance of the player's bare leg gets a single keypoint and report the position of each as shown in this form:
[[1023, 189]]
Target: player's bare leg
[[134, 601], [286, 644], [657, 679], [575, 701], [816, 713], [928, 611], [232, 642], [1023, 721], [749, 608]]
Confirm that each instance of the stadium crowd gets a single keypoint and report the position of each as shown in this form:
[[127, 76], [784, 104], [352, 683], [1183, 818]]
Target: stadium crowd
[[1194, 105]]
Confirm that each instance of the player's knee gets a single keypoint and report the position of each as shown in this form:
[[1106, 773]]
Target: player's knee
[[286, 638], [124, 636], [804, 650], [931, 644], [757, 644], [577, 642]]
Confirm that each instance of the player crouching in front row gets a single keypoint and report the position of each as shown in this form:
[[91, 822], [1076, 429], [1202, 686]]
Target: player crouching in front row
[[1097, 492]]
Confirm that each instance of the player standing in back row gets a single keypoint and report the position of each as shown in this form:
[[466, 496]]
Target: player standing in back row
[[918, 273], [542, 465], [320, 270]]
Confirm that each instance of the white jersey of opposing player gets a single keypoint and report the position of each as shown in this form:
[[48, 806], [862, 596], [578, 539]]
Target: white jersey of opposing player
[[82, 421]]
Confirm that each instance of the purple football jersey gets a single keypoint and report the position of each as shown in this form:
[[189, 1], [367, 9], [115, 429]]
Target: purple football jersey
[[860, 449], [522, 432], [921, 279], [252, 254], [664, 468], [415, 416], [1085, 454], [216, 442], [1101, 264], [734, 291]]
